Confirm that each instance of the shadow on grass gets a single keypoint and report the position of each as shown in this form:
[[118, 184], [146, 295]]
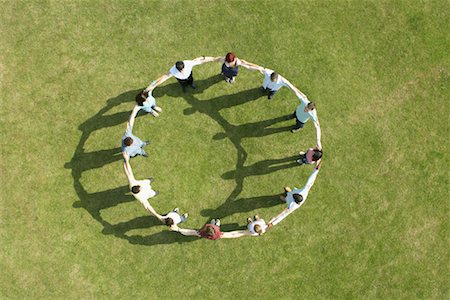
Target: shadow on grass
[[83, 161]]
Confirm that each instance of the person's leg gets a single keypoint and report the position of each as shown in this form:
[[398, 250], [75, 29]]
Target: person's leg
[[143, 153], [293, 116], [184, 217], [154, 113], [298, 125], [271, 94], [190, 81], [183, 83]]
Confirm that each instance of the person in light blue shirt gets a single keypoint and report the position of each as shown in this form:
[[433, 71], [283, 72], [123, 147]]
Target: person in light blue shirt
[[131, 144], [147, 103]]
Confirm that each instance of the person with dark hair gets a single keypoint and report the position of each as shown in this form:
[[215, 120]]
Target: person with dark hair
[[147, 103], [310, 156], [182, 71], [305, 111], [230, 66], [294, 198], [141, 189], [174, 218], [273, 82], [131, 144]]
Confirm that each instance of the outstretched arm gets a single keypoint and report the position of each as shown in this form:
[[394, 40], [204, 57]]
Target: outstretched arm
[[278, 218], [311, 180], [219, 59], [130, 122], [158, 81], [318, 134], [234, 234], [127, 168], [151, 210], [185, 231], [251, 66], [205, 59]]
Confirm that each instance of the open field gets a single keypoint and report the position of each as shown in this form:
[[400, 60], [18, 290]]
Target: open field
[[375, 224]]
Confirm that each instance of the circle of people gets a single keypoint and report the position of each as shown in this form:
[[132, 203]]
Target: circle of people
[[182, 71]]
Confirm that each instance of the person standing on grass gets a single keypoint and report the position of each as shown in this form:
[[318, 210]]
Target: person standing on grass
[[182, 71], [147, 103], [141, 189], [131, 144], [256, 226], [273, 82], [230, 66], [173, 218], [312, 155], [294, 198], [305, 111]]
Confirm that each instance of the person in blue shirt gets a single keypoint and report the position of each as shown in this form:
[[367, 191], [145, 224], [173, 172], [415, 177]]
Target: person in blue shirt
[[147, 103], [131, 144]]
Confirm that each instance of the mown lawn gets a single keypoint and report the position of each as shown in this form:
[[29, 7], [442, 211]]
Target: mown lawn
[[375, 224]]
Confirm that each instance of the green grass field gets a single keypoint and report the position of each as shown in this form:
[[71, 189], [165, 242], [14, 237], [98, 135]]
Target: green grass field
[[375, 224]]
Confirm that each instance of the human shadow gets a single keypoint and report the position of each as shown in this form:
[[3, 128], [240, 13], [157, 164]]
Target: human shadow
[[242, 205], [83, 161], [235, 133], [262, 167], [159, 238]]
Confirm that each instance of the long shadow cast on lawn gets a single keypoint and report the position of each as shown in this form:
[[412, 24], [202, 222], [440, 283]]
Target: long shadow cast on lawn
[[83, 161], [93, 203], [235, 133]]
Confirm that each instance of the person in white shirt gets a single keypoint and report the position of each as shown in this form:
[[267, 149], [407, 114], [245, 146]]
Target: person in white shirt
[[141, 189], [182, 71], [256, 226], [273, 82], [173, 218], [295, 198]]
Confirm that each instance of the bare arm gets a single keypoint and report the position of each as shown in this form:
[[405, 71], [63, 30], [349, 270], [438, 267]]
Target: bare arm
[[158, 81], [311, 180], [187, 232], [151, 210], [205, 59], [234, 234], [220, 59], [277, 219], [127, 168], [318, 134], [251, 66], [130, 122]]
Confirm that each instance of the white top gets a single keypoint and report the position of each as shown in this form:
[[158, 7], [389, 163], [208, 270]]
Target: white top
[[175, 217], [290, 199], [145, 191], [251, 226], [184, 74], [274, 86]]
